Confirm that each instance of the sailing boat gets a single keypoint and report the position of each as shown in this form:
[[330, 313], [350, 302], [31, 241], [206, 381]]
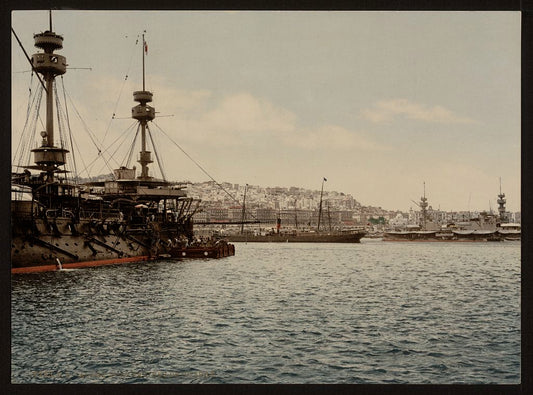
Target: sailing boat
[[58, 223], [296, 236]]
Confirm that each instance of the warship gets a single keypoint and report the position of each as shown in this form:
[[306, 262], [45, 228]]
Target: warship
[[486, 227], [58, 223]]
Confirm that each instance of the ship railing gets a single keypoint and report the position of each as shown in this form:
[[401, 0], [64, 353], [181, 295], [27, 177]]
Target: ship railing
[[58, 143], [100, 215]]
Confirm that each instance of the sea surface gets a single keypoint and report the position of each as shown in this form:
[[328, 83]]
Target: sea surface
[[375, 312]]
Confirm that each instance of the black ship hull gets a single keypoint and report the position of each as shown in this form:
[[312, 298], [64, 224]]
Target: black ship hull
[[47, 244], [300, 238]]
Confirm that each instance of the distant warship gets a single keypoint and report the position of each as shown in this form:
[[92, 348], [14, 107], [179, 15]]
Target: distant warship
[[486, 227]]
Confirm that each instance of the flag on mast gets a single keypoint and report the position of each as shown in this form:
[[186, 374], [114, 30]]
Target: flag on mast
[[145, 48]]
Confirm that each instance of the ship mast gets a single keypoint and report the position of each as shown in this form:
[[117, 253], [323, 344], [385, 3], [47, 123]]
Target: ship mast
[[295, 215], [243, 215], [501, 203], [320, 205], [143, 113], [423, 207], [47, 157]]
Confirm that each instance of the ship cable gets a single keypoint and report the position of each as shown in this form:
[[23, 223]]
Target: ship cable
[[121, 90], [29, 127], [196, 163], [29, 60], [92, 136], [159, 163], [62, 118], [28, 113], [76, 175], [132, 146], [59, 114], [200, 167], [123, 136], [33, 127], [94, 140]]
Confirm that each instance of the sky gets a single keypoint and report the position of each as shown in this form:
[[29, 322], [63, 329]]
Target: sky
[[379, 103]]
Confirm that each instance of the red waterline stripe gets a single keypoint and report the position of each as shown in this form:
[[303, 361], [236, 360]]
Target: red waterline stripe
[[76, 265], [436, 241]]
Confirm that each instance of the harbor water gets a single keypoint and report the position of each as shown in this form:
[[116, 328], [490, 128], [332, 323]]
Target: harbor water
[[375, 312]]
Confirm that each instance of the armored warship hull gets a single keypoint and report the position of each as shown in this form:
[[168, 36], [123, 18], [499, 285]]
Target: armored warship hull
[[59, 223]]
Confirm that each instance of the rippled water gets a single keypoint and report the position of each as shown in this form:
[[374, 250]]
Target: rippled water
[[377, 312]]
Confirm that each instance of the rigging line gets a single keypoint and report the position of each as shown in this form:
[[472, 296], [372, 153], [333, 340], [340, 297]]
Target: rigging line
[[31, 100], [26, 136], [132, 147], [105, 151], [28, 108], [112, 155], [81, 157], [121, 89], [123, 135], [76, 177], [198, 165], [58, 113], [38, 111], [29, 60], [82, 160], [91, 134], [61, 119], [156, 154], [26, 148]]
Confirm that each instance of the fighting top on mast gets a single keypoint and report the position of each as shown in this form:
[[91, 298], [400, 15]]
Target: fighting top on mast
[[143, 113], [47, 157], [501, 203]]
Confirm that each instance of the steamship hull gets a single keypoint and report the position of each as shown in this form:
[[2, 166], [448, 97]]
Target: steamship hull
[[300, 238]]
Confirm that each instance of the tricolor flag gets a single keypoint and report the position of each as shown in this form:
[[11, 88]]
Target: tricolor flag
[[145, 48]]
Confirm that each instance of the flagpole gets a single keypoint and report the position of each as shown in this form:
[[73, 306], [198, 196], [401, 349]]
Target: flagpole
[[143, 49]]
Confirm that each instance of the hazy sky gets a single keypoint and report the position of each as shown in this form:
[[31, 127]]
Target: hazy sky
[[376, 102]]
